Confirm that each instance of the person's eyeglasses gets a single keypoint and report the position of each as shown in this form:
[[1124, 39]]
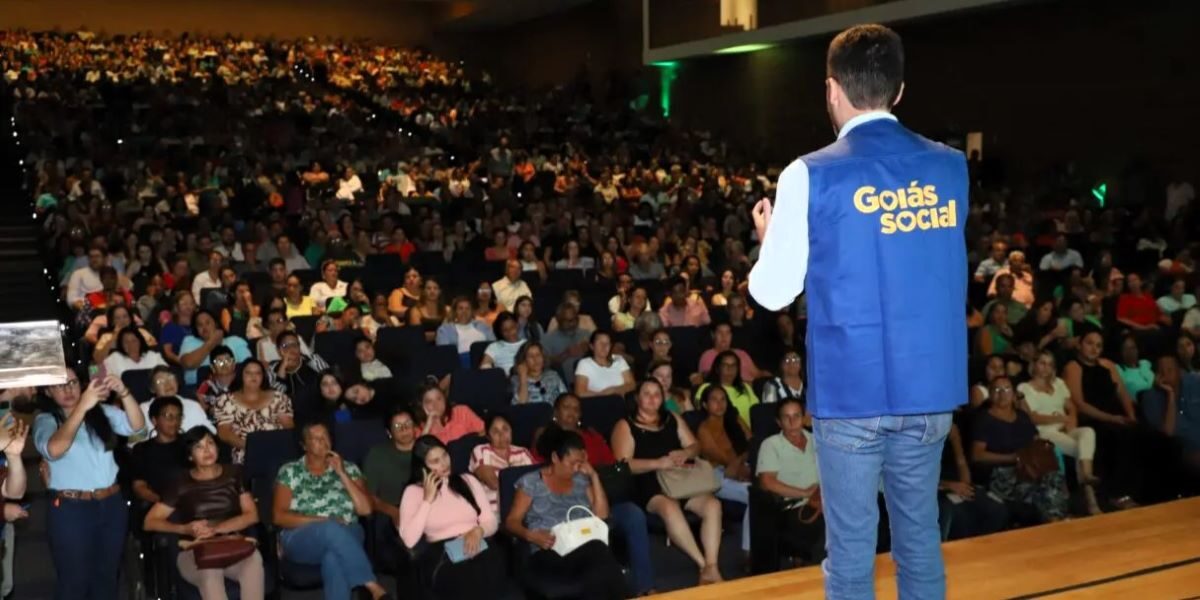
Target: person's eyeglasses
[[1001, 390], [162, 380], [791, 360], [662, 342], [289, 345], [278, 321], [402, 425], [224, 361]]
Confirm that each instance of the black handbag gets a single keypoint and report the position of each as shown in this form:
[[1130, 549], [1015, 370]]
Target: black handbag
[[617, 481]]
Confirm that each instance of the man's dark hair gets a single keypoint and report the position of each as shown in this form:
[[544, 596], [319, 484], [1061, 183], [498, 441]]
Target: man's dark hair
[[868, 62], [276, 261], [161, 404]]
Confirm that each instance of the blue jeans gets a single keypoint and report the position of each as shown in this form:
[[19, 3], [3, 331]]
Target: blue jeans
[[736, 491], [338, 548], [853, 456], [87, 541], [630, 520]]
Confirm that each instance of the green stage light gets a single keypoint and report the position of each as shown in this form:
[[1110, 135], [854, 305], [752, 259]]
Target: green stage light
[[744, 48], [1100, 192], [668, 70]]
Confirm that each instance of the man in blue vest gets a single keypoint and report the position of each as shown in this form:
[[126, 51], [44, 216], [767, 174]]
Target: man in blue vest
[[871, 227]]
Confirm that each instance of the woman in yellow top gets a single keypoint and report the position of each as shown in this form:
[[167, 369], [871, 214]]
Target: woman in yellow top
[[726, 372], [298, 305]]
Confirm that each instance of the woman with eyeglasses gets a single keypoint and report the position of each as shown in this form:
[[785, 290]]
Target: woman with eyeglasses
[[88, 519], [130, 353], [790, 381], [195, 349], [602, 373], [298, 304], [726, 372], [1000, 432], [251, 405], [164, 384], [220, 378], [531, 382], [388, 465], [207, 501]]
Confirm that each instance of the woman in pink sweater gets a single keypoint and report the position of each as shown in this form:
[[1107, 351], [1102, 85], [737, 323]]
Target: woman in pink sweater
[[452, 513]]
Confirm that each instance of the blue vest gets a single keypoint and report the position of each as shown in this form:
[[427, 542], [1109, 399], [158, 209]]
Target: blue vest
[[887, 275]]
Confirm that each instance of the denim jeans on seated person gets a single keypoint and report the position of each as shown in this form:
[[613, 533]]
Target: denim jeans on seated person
[[630, 520], [854, 456], [337, 548], [736, 491]]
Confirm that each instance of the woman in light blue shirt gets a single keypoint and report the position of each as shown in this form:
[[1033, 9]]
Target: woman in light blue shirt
[[195, 349], [87, 520]]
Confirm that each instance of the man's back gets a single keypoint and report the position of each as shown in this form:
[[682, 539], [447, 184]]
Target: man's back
[[887, 274]]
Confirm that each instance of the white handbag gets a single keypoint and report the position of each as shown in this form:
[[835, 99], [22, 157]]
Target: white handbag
[[573, 533]]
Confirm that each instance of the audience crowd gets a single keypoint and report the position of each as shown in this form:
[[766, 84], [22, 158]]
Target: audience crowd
[[529, 304]]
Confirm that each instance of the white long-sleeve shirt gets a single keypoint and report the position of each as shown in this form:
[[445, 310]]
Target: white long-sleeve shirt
[[778, 276]]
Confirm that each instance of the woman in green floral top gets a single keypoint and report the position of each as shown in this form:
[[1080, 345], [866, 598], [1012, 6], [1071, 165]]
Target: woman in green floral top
[[318, 500]]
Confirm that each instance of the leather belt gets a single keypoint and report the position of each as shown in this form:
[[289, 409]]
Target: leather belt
[[87, 494]]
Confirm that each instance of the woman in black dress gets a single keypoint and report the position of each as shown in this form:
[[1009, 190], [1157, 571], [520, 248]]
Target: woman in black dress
[[1103, 404], [650, 438]]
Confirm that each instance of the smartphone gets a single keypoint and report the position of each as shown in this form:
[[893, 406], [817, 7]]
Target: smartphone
[[5, 409], [456, 552]]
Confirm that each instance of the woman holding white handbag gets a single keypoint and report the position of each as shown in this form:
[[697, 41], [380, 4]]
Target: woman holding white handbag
[[559, 509]]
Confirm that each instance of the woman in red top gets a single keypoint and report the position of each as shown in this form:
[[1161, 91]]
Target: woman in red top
[[442, 419], [1137, 309], [567, 410]]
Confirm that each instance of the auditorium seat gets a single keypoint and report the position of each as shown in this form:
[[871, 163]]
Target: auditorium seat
[[484, 390]]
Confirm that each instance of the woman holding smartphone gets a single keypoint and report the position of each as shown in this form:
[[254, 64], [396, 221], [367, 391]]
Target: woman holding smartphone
[[88, 518], [453, 514]]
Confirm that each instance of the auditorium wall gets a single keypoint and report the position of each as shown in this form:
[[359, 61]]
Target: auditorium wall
[[1096, 82], [385, 20], [602, 39]]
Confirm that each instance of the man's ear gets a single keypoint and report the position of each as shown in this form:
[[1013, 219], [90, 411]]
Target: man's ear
[[833, 91], [899, 95]]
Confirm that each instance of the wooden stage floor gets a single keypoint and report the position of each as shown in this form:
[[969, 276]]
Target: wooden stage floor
[[1147, 553]]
